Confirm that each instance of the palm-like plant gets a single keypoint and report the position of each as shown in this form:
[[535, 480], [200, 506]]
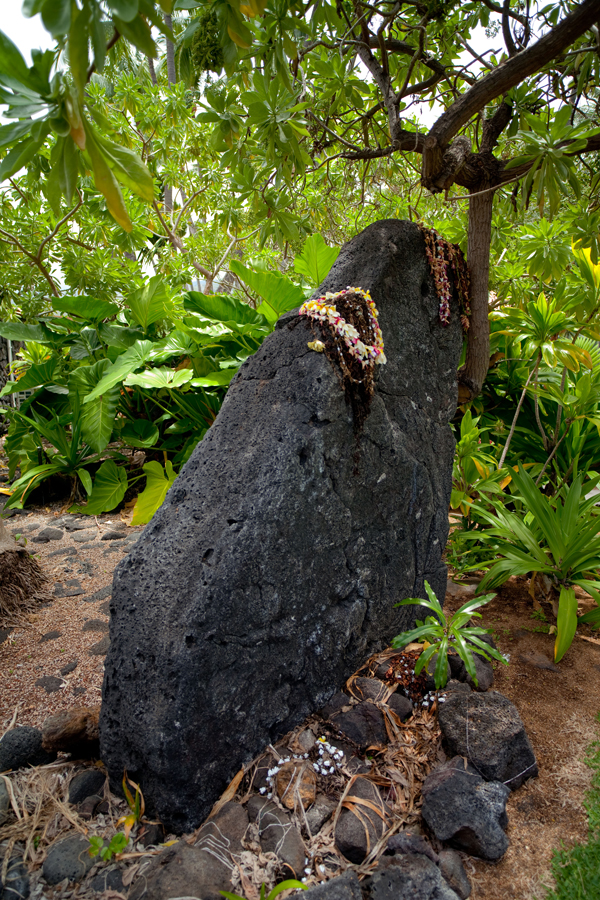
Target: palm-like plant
[[558, 538]]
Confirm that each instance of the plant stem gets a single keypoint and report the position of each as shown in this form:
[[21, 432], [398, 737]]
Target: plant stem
[[516, 416]]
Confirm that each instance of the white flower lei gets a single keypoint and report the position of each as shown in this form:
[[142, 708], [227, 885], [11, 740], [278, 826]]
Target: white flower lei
[[323, 310]]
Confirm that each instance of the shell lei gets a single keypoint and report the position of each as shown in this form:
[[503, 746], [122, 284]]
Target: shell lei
[[323, 310], [448, 267]]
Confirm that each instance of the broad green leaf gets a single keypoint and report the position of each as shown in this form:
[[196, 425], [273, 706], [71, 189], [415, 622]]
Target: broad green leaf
[[316, 259], [92, 309], [150, 303], [161, 378], [126, 9], [128, 168], [13, 131], [118, 335], [56, 16], [222, 308], [20, 155], [78, 48], [140, 433], [35, 376], [215, 379], [104, 179], [277, 291], [138, 33], [566, 622], [11, 61], [158, 482], [86, 480], [109, 489], [126, 363], [96, 418]]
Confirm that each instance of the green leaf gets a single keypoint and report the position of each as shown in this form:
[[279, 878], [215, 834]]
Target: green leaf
[[35, 376], [125, 9], [126, 363], [104, 179], [11, 61], [289, 885], [91, 309], [22, 153], [86, 480], [316, 259], [140, 433], [161, 378], [128, 168], [215, 379], [78, 49], [56, 16], [158, 482], [138, 33], [566, 622], [109, 489], [277, 291], [150, 303], [222, 308], [96, 418], [13, 131]]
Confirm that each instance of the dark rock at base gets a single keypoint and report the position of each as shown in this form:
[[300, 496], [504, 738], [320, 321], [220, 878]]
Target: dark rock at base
[[95, 625], [496, 742], [271, 570], [369, 689], [107, 880], [101, 594], [16, 883], [100, 648], [364, 725], [85, 784], [408, 842], [319, 813], [21, 747], [87, 808], [47, 534], [69, 858], [335, 705], [50, 636], [462, 808], [4, 801], [356, 833], [453, 871], [344, 887], [151, 834], [401, 705], [407, 877], [483, 670], [70, 667], [429, 673], [50, 683], [63, 551], [200, 871], [278, 835]]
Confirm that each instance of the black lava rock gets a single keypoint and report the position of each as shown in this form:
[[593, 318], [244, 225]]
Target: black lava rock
[[487, 730], [272, 568], [16, 884], [462, 808], [50, 683], [344, 887], [407, 877], [363, 724], [23, 747], [357, 831], [46, 535], [85, 784], [68, 858]]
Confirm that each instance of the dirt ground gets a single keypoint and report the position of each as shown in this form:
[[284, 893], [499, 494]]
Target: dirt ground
[[559, 708]]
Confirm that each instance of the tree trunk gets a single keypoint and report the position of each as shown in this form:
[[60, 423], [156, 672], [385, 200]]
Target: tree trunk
[[152, 70], [472, 374], [172, 77]]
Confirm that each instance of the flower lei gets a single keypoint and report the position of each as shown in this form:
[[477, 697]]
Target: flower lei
[[323, 310], [443, 257]]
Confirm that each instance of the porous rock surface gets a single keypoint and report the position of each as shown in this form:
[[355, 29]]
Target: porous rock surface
[[272, 569]]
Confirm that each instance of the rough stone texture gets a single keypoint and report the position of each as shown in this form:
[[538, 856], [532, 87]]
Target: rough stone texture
[[85, 784], [107, 880], [462, 808], [272, 568], [50, 683], [357, 832], [407, 877], [68, 858], [364, 725], [344, 887], [401, 705], [16, 883], [21, 747], [453, 871], [278, 835], [200, 871], [101, 647], [496, 742], [47, 534], [95, 625], [4, 801], [320, 812]]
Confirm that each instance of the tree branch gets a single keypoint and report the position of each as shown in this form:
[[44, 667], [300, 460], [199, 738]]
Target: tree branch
[[109, 46]]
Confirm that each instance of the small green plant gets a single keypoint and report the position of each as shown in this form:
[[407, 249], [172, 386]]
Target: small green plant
[[117, 845], [288, 885], [136, 805], [444, 634], [538, 614]]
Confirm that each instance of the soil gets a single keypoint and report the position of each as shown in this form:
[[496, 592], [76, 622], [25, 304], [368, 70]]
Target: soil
[[559, 708]]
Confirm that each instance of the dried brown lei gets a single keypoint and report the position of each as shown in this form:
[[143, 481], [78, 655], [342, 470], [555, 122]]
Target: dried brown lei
[[444, 257]]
